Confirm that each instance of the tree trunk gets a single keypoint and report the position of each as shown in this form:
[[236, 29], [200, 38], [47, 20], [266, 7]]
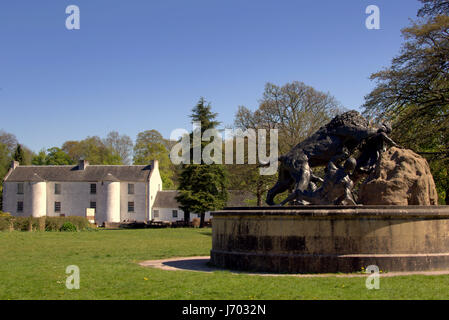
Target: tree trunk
[[447, 197], [203, 216], [186, 218]]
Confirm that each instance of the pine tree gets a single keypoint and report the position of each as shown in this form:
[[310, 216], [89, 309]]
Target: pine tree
[[19, 155], [202, 187]]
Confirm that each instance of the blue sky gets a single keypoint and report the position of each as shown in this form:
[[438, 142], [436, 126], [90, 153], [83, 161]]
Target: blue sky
[[143, 64]]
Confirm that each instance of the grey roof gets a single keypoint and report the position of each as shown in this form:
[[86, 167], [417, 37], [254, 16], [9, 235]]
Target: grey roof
[[72, 173], [166, 199]]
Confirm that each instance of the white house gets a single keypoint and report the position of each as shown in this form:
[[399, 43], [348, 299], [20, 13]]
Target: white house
[[113, 193], [116, 193], [166, 208]]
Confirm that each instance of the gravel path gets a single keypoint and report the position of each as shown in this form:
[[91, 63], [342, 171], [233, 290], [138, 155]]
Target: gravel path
[[199, 264]]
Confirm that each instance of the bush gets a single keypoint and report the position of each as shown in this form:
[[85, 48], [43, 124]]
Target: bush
[[8, 222], [5, 214], [68, 226]]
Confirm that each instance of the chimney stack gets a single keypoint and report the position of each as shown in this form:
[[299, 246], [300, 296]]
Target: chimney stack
[[154, 164], [14, 164], [82, 164]]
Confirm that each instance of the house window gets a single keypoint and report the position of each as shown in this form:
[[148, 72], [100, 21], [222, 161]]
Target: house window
[[130, 206], [57, 206], [93, 188], [130, 188], [156, 213], [175, 213], [57, 188], [93, 205], [20, 188], [20, 206]]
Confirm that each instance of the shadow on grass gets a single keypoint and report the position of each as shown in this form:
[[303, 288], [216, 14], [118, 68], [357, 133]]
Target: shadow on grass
[[206, 233]]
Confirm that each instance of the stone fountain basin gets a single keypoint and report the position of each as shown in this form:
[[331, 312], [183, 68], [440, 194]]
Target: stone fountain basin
[[331, 239]]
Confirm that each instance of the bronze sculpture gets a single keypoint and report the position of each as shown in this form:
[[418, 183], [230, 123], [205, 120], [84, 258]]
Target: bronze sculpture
[[330, 146]]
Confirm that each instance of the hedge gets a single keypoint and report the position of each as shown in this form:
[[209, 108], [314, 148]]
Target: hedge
[[9, 223]]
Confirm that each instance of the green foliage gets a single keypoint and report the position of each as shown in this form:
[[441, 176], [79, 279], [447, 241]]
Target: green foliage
[[69, 227], [5, 159], [202, 187], [53, 156], [42, 224], [413, 92], [150, 145], [434, 8], [120, 145], [19, 155], [91, 149], [297, 111]]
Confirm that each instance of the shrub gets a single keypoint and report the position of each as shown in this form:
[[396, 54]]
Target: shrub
[[8, 222], [68, 226], [5, 214]]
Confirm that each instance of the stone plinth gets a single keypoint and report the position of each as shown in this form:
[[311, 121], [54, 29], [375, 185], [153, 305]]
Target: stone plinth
[[323, 239]]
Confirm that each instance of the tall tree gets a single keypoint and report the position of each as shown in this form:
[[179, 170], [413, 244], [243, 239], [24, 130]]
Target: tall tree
[[9, 140], [19, 155], [53, 156], [434, 8], [92, 149], [121, 146], [413, 92], [202, 187], [5, 159], [297, 111]]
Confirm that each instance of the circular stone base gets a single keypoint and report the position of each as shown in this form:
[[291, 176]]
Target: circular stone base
[[331, 239]]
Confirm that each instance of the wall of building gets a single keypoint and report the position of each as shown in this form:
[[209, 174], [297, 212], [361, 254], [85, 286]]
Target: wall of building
[[10, 199], [75, 198], [139, 199], [166, 214], [155, 185]]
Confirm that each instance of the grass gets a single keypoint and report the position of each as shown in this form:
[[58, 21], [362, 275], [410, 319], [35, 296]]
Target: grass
[[32, 266]]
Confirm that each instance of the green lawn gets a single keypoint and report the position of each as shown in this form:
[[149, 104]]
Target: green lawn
[[32, 266]]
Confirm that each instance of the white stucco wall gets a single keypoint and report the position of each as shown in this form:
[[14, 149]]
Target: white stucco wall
[[155, 185], [38, 199], [166, 214], [10, 199], [139, 199], [111, 190], [75, 198]]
